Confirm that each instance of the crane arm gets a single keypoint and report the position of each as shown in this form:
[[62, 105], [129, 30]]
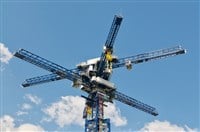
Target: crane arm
[[113, 31], [135, 103], [109, 42], [42, 79], [46, 78], [47, 65], [163, 53]]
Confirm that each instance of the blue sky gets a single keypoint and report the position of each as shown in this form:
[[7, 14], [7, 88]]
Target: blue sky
[[71, 32]]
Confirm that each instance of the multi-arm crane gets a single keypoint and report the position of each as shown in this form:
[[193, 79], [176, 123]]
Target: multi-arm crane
[[93, 77]]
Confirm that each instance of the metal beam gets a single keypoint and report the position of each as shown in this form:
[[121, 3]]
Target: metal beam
[[41, 79], [45, 79], [109, 42], [46, 64], [113, 31], [149, 56], [135, 103]]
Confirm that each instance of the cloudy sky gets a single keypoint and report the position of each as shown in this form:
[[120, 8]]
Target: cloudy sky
[[69, 32]]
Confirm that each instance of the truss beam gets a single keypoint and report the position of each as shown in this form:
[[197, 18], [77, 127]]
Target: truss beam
[[135, 103], [145, 57], [113, 31], [109, 42], [46, 64], [41, 79]]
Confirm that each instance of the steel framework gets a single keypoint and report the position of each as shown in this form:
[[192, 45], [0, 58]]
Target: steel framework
[[93, 77]]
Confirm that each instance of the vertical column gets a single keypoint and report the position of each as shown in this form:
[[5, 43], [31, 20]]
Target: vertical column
[[96, 122], [100, 109]]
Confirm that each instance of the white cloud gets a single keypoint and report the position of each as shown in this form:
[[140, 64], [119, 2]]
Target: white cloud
[[26, 106], [5, 54], [114, 114], [19, 113], [29, 127], [33, 98], [165, 126], [7, 125], [69, 110]]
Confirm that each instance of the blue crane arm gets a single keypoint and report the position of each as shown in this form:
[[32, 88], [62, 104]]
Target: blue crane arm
[[47, 65], [42, 79], [113, 31], [45, 79], [135, 103], [163, 53], [109, 42]]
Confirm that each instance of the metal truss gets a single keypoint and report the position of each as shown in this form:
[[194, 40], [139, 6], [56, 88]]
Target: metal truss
[[149, 56]]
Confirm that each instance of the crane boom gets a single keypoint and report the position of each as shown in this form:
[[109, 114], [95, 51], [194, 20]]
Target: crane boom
[[163, 53], [42, 79], [46, 64], [113, 31], [109, 42], [135, 103], [45, 78]]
